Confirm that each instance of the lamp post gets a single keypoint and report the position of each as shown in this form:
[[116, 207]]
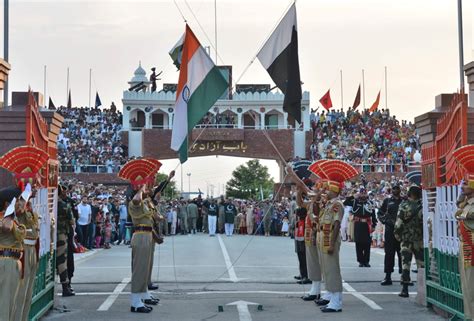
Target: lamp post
[[189, 184]]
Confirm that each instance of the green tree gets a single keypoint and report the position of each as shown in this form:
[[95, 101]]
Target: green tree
[[170, 190], [247, 179]]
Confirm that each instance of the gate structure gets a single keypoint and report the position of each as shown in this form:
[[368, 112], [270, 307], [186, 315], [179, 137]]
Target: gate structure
[[39, 134], [441, 178]]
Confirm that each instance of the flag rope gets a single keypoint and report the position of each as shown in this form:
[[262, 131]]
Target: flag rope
[[180, 12], [204, 31], [248, 243]]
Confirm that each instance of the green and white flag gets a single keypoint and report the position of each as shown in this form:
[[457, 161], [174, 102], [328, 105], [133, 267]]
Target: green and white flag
[[177, 51]]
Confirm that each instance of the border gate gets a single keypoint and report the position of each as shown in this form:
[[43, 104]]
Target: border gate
[[45, 203], [441, 178]]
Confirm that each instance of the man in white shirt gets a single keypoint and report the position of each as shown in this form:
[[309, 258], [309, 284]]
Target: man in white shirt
[[84, 211]]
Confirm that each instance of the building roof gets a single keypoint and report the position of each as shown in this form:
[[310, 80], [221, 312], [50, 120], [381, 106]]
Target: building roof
[[139, 75]]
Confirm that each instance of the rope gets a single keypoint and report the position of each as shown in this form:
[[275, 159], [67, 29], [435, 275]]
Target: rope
[[180, 12], [202, 29], [248, 243]]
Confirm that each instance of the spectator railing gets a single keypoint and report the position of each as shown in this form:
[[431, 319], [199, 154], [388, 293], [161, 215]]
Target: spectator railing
[[111, 169], [97, 169], [381, 168]]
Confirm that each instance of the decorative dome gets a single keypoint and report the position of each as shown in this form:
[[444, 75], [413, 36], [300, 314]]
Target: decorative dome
[[140, 75]]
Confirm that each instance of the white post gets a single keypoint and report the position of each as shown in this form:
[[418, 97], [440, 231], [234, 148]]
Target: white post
[[147, 120], [239, 120], [262, 120]]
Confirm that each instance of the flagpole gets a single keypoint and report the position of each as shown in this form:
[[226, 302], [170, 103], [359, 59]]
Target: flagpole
[[461, 46], [44, 83], [342, 93], [67, 85], [182, 180], [6, 23], [363, 86], [386, 92], [215, 25], [90, 79]]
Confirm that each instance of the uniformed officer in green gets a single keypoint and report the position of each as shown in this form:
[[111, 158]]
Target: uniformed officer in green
[[409, 232], [183, 217], [65, 221], [192, 216]]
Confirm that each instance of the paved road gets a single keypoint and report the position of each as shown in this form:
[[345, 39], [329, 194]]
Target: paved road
[[198, 273]]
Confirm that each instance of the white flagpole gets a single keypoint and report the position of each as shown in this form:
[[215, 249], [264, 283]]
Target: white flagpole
[[363, 86], [44, 88], [90, 79], [342, 93]]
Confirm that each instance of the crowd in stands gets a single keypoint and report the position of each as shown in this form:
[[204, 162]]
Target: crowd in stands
[[378, 140], [90, 140], [218, 120]]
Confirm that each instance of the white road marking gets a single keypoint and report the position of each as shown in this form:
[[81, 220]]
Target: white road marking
[[243, 309], [297, 293], [112, 297], [293, 267], [361, 297], [230, 269]]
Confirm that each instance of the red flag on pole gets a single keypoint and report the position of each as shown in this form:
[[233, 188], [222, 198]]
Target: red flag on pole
[[375, 104], [357, 99], [326, 100]]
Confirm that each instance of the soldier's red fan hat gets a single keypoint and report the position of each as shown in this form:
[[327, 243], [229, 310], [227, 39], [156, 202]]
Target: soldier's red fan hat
[[25, 162], [465, 156], [140, 171], [334, 173]]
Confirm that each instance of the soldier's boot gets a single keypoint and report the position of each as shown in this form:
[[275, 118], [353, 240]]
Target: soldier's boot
[[387, 280], [70, 287], [404, 292], [67, 291]]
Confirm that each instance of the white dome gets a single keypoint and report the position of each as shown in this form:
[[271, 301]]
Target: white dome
[[140, 75]]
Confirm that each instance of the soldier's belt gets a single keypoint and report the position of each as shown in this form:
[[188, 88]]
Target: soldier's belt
[[30, 242], [143, 228], [14, 254], [363, 220]]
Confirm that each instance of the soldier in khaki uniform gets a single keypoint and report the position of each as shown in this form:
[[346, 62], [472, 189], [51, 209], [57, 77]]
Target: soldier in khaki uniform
[[310, 235], [140, 173], [465, 217], [409, 232], [30, 220], [192, 210], [12, 235], [333, 174]]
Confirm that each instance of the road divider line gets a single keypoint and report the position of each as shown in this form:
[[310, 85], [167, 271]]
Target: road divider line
[[361, 297], [112, 297], [228, 263]]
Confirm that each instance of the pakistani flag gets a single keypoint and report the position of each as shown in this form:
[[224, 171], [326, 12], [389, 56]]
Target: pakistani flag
[[279, 56], [177, 51], [200, 84]]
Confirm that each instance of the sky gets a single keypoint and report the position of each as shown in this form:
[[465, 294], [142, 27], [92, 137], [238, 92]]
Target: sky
[[417, 40]]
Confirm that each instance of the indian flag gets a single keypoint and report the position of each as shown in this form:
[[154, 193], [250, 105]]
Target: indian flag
[[200, 85]]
